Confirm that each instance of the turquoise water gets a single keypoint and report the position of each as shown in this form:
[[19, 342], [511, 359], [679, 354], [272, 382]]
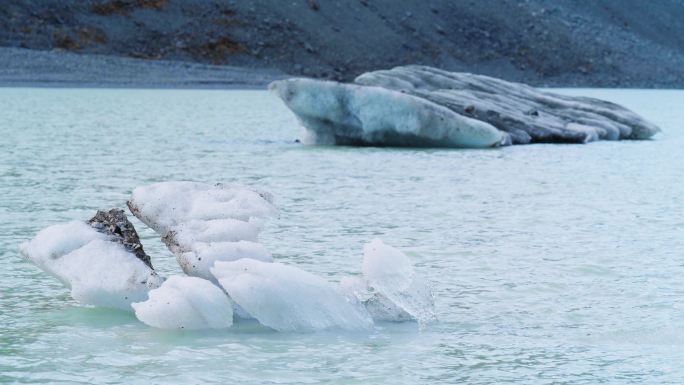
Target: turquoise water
[[550, 263]]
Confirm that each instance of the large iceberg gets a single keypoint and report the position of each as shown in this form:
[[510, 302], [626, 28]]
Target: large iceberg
[[101, 261], [186, 303], [348, 114], [202, 223], [286, 298], [421, 106]]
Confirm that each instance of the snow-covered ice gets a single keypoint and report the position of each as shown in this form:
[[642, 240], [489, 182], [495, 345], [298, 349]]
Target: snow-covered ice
[[216, 230], [202, 223], [186, 303], [164, 205], [287, 298], [201, 256], [98, 270]]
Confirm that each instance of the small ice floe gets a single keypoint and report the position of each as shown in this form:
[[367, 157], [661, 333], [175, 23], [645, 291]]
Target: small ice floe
[[202, 223], [186, 303], [390, 288], [101, 261], [419, 106], [286, 298]]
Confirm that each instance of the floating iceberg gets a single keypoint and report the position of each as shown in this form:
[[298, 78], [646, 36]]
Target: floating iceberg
[[212, 230], [420, 106], [286, 298], [203, 223], [347, 114], [102, 261], [390, 289], [186, 303]]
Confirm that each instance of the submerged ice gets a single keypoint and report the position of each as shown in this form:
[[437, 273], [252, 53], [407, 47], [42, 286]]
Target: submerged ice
[[391, 279], [420, 106], [389, 288]]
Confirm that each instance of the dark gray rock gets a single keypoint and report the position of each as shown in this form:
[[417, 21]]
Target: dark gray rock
[[115, 224]]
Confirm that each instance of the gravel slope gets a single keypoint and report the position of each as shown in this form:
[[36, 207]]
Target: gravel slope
[[24, 67], [624, 43]]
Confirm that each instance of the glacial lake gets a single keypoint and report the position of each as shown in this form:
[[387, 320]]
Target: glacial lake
[[550, 263]]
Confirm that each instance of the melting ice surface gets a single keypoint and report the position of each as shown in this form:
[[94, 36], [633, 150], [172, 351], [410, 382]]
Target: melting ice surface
[[186, 303], [389, 287], [98, 272], [286, 298], [202, 223], [549, 263]]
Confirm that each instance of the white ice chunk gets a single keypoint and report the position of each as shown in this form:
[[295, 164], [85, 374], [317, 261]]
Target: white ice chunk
[[202, 256], [390, 288], [99, 271], [165, 205], [186, 303], [217, 230], [202, 223], [55, 241], [287, 298]]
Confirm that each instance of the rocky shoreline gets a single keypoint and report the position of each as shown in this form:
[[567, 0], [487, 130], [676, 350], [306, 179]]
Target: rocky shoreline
[[30, 68]]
